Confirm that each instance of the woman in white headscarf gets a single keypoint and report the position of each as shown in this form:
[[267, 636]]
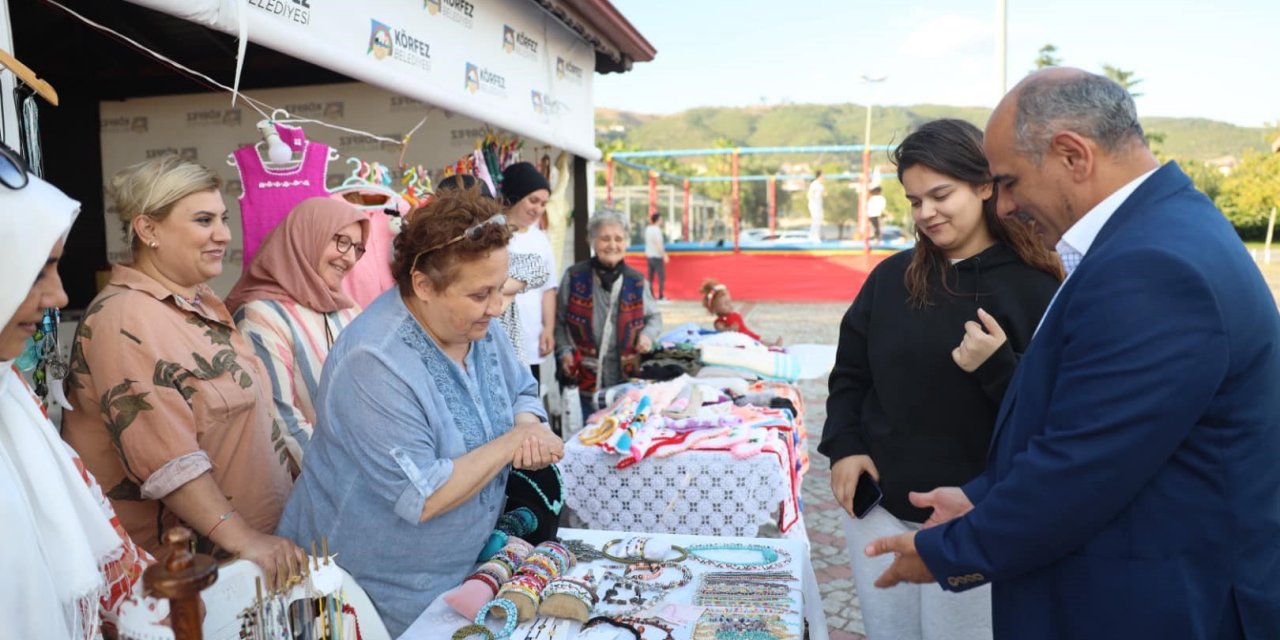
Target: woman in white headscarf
[[66, 562]]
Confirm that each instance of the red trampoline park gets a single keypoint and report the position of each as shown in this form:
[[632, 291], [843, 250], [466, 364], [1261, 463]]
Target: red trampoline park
[[756, 264]]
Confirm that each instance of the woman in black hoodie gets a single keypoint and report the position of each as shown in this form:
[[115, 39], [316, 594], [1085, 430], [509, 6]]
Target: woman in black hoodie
[[925, 354]]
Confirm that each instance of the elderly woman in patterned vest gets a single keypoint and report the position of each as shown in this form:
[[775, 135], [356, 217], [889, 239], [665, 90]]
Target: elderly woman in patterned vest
[[605, 316]]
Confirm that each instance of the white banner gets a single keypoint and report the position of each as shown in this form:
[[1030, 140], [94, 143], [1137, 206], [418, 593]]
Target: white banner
[[504, 62], [204, 128]]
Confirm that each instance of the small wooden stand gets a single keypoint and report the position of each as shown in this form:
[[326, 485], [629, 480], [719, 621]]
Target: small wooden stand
[[180, 577]]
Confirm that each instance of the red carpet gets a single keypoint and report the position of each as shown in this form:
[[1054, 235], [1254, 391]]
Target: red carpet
[[790, 277]]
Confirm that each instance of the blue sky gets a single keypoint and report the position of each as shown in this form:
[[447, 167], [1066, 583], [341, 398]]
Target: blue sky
[[1217, 59]]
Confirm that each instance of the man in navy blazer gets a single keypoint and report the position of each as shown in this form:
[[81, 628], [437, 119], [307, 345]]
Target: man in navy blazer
[[1133, 483]]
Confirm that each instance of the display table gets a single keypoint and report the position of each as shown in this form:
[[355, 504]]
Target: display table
[[439, 622], [694, 492]]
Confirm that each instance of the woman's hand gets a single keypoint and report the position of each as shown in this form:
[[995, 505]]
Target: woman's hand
[[546, 342], [566, 366], [978, 345], [644, 344], [280, 559], [538, 446], [844, 478]]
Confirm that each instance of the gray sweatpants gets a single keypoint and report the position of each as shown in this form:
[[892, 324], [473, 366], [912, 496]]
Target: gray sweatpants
[[910, 611]]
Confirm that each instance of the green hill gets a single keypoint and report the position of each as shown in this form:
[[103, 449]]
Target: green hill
[[815, 124]]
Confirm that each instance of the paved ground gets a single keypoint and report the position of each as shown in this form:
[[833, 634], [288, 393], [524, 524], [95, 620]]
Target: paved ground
[[818, 324]]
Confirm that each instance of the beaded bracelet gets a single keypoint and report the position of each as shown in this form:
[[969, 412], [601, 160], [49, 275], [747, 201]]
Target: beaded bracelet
[[657, 623], [508, 607], [656, 570], [473, 630], [684, 553], [614, 623]]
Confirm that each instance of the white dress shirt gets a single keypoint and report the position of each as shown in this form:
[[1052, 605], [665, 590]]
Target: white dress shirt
[[1076, 241]]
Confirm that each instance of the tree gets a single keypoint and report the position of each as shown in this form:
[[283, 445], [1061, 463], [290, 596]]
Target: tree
[[1046, 57], [1249, 193], [1206, 177], [1122, 78]]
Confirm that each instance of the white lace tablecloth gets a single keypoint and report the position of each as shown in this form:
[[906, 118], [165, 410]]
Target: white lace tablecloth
[[708, 493], [439, 622]]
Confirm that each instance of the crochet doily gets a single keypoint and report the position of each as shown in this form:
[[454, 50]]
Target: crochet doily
[[694, 492]]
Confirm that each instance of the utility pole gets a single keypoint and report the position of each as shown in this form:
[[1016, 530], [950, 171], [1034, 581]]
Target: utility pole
[[863, 221], [1002, 45]]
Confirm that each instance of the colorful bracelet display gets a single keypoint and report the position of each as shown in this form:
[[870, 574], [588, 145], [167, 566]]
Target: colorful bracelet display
[[747, 596], [548, 561]]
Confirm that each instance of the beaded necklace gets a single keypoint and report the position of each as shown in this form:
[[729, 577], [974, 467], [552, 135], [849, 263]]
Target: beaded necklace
[[554, 507], [770, 558], [741, 626]]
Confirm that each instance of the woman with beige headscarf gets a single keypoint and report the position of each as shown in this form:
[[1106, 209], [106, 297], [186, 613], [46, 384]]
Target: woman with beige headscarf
[[290, 305]]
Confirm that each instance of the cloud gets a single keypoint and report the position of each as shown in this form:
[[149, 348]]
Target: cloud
[[946, 36]]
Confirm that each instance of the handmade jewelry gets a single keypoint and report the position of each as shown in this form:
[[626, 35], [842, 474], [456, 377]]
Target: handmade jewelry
[[508, 609], [634, 559], [611, 596], [720, 626], [473, 630], [569, 598], [585, 552], [647, 582], [658, 623], [753, 576], [598, 620], [771, 558], [548, 561], [554, 507]]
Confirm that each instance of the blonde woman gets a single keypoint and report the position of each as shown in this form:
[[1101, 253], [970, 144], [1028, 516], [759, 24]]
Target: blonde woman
[[172, 408]]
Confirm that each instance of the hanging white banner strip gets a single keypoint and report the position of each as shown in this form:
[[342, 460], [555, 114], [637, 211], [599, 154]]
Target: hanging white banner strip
[[503, 62]]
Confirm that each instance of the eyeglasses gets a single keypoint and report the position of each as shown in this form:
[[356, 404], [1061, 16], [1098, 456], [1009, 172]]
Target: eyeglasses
[[13, 169], [346, 244], [473, 233]]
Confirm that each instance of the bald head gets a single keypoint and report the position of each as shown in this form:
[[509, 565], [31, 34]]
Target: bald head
[[1065, 99]]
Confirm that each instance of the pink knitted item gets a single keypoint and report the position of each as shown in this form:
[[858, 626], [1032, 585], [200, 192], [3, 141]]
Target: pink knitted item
[[269, 194]]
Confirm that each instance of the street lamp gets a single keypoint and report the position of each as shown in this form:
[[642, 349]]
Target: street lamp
[[863, 221]]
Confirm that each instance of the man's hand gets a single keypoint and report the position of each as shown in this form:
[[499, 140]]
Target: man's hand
[[844, 478], [907, 565], [948, 503], [980, 341], [644, 344]]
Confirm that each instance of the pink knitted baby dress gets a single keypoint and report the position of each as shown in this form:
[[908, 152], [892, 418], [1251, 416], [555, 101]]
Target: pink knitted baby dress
[[270, 193]]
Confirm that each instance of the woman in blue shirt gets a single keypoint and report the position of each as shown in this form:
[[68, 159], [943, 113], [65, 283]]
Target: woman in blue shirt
[[422, 409]]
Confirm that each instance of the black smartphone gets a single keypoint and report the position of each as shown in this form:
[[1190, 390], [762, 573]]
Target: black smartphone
[[866, 496]]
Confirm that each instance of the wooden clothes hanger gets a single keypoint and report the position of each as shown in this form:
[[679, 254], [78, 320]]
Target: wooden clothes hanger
[[28, 77]]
